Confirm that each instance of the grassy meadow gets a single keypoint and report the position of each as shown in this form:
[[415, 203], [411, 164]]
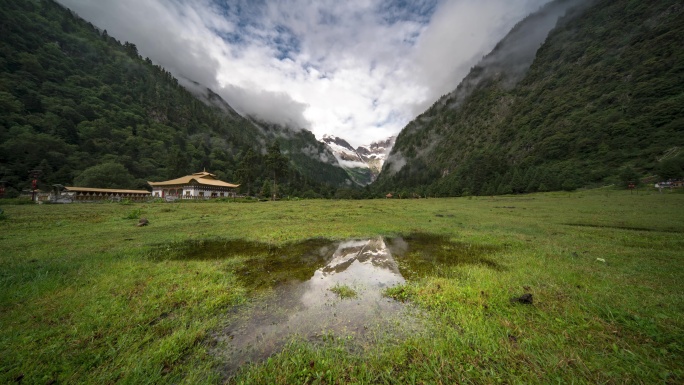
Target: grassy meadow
[[83, 301]]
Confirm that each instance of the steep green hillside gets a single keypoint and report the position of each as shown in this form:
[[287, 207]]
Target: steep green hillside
[[72, 97], [601, 100]]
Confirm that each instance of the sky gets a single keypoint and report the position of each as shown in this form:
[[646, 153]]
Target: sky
[[357, 69]]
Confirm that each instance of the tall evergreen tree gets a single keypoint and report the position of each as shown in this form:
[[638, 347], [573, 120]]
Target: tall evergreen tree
[[277, 165]]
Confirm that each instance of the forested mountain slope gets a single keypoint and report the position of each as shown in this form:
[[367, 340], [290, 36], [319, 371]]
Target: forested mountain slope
[[310, 155], [602, 97], [73, 98]]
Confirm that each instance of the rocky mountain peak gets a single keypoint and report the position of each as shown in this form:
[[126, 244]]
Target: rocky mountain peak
[[335, 140], [370, 157]]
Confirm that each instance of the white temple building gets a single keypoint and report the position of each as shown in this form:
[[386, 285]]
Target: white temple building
[[200, 185]]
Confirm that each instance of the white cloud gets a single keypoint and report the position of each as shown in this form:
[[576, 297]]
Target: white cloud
[[271, 106], [356, 69], [459, 35], [351, 164]]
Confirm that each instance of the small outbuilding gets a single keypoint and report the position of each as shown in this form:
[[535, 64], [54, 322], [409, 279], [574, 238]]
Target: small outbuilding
[[200, 185]]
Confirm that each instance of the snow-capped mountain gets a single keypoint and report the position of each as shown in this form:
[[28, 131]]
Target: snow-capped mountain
[[375, 154], [363, 163], [344, 152]]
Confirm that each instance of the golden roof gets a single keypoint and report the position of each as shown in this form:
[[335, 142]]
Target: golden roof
[[104, 190], [203, 178]]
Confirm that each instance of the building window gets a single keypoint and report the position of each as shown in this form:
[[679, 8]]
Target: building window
[[187, 193], [201, 193], [222, 194]]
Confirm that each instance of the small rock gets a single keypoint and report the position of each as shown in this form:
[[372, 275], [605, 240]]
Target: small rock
[[525, 298], [143, 222]]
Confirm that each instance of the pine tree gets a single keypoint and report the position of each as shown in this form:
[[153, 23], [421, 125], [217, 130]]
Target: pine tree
[[517, 182], [266, 190], [277, 165]]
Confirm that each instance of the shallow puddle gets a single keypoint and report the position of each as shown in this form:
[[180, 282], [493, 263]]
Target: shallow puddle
[[301, 279], [309, 310]]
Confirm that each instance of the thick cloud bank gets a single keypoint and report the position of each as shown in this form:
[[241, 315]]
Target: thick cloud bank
[[358, 69]]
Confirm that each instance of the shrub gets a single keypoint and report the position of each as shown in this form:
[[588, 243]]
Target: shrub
[[134, 214]]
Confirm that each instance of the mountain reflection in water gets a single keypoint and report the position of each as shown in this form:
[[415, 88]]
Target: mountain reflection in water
[[299, 303], [309, 310]]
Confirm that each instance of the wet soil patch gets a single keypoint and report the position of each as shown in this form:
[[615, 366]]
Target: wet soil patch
[[299, 282], [416, 255], [266, 266], [423, 254]]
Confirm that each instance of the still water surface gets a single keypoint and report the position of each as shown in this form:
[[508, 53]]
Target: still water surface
[[298, 301]]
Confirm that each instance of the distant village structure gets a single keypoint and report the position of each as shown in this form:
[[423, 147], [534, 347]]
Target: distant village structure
[[670, 184], [79, 194], [200, 185], [68, 194]]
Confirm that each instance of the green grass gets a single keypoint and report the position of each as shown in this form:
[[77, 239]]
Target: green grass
[[134, 214], [343, 291], [85, 297]]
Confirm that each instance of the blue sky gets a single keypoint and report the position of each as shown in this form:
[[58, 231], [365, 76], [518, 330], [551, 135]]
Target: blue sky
[[359, 69]]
